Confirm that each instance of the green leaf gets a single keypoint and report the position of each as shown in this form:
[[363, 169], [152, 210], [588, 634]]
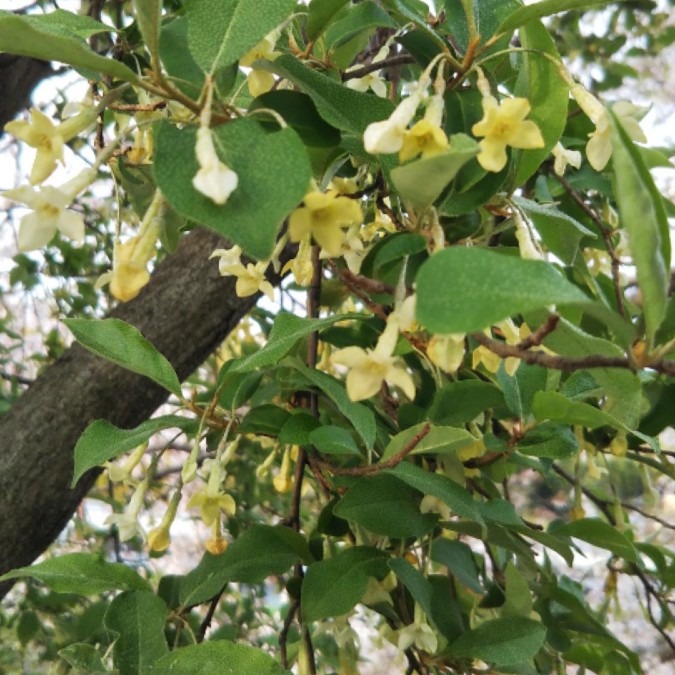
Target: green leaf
[[334, 586], [341, 107], [67, 24], [222, 31], [176, 57], [213, 657], [554, 406], [273, 165], [455, 496], [359, 17], [138, 617], [81, 573], [385, 505], [556, 441], [540, 82], [488, 15], [149, 18], [102, 441], [560, 232], [83, 657], [601, 534], [298, 427], [518, 595], [520, 389], [543, 8], [439, 441], [361, 417], [422, 181], [237, 388], [462, 401], [503, 642], [644, 217], [267, 419], [418, 585], [20, 35], [459, 559], [320, 14], [260, 552], [332, 440], [487, 287], [123, 344], [287, 331]]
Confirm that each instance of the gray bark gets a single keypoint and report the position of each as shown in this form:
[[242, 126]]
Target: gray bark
[[18, 77], [186, 311]]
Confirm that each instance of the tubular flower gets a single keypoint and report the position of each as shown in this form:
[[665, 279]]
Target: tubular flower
[[260, 81], [372, 80], [48, 139], [447, 351], [324, 215], [426, 136], [214, 179], [563, 157], [49, 211], [369, 368], [387, 136], [301, 266], [250, 277], [505, 124], [210, 500], [127, 522]]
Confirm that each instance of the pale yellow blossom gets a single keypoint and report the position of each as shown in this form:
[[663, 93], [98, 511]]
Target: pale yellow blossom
[[214, 179], [426, 137], [301, 266], [260, 81], [323, 216], [251, 277], [387, 136], [447, 351], [563, 157], [369, 368], [127, 522], [504, 124]]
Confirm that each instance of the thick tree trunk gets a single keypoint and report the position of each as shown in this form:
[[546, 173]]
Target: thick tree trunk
[[185, 311], [18, 77]]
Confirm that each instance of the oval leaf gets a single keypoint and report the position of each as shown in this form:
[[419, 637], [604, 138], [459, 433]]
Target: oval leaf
[[486, 287], [121, 343]]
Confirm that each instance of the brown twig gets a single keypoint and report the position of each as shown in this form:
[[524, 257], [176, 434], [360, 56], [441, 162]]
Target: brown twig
[[606, 235], [365, 283], [392, 61], [206, 623], [390, 463], [536, 338], [568, 363]]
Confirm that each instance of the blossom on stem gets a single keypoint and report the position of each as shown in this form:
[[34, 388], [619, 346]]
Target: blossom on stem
[[260, 81], [368, 368], [505, 124], [250, 277], [387, 136], [447, 351], [214, 179], [210, 499], [48, 139], [323, 216], [563, 157], [301, 266], [372, 80], [49, 211], [127, 522], [426, 136]]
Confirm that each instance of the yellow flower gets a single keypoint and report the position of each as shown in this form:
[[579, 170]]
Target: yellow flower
[[250, 277], [214, 179], [260, 81], [211, 501], [483, 356], [369, 368], [159, 539], [563, 157], [372, 80], [127, 523], [283, 481], [324, 215], [216, 545], [447, 351], [426, 136], [40, 133], [504, 124], [386, 137], [49, 211], [301, 266]]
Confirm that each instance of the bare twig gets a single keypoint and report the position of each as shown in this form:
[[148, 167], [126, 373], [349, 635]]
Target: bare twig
[[206, 623], [392, 61]]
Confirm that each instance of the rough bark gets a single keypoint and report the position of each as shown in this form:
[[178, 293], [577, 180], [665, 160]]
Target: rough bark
[[185, 311], [18, 77]]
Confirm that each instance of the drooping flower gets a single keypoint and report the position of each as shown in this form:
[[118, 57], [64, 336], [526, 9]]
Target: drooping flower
[[426, 136], [250, 277], [127, 522], [48, 139], [371, 80], [505, 124], [49, 211], [159, 537], [419, 634], [447, 351], [563, 157], [260, 81], [323, 216], [368, 368], [214, 179], [387, 136], [301, 266], [210, 499]]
